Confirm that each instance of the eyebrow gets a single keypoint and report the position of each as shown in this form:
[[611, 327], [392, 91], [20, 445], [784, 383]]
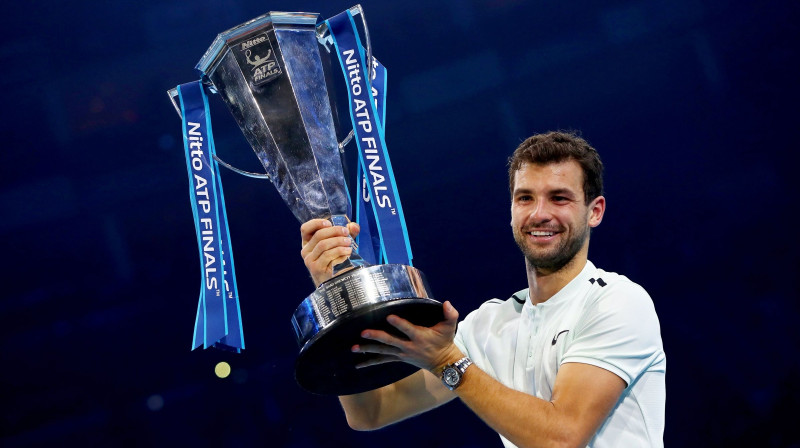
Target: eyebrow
[[522, 191], [562, 192], [557, 191]]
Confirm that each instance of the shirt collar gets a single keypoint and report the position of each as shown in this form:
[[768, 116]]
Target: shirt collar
[[569, 290]]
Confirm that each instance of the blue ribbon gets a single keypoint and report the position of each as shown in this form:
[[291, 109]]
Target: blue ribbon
[[369, 240], [218, 322], [369, 135]]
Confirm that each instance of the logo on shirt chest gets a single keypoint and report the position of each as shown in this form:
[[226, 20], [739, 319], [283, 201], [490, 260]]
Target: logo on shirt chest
[[555, 338]]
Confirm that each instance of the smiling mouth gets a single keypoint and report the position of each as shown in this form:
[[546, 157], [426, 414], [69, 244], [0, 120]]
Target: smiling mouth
[[541, 233]]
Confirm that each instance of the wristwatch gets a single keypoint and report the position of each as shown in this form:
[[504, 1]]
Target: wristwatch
[[453, 373]]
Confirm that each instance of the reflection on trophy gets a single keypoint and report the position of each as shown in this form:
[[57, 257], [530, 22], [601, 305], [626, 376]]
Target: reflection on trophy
[[270, 73]]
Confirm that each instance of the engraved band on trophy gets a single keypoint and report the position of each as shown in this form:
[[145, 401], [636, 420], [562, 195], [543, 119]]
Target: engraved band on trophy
[[270, 73]]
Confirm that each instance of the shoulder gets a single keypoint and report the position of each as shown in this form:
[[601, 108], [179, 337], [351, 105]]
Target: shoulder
[[495, 320], [610, 290], [495, 312], [493, 307], [617, 328], [616, 305]]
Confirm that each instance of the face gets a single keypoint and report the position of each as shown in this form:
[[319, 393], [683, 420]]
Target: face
[[549, 216]]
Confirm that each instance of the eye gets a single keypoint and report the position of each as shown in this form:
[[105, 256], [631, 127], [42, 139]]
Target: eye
[[560, 199], [524, 198]]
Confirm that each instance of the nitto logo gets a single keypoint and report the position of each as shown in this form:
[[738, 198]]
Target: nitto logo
[[252, 42]]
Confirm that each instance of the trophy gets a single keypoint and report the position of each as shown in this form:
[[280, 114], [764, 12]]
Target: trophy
[[271, 73]]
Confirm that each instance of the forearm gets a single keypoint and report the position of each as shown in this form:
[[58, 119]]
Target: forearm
[[390, 404], [525, 420]]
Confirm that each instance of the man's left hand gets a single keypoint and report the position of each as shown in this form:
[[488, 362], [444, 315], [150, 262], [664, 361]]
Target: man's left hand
[[427, 348]]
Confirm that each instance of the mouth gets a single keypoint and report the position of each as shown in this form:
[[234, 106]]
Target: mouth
[[542, 235]]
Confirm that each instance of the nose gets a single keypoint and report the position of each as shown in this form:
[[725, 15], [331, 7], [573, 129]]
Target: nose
[[540, 212]]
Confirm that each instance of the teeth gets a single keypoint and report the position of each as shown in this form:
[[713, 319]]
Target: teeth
[[540, 233]]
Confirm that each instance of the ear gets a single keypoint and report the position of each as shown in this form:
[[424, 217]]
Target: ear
[[596, 210]]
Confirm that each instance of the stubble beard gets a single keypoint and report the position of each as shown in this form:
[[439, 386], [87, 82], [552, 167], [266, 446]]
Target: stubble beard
[[553, 260]]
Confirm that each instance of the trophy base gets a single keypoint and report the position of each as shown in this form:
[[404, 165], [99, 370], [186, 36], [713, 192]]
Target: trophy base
[[330, 321], [326, 365]]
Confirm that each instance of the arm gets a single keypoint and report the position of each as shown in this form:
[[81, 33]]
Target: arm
[[413, 395], [324, 246], [583, 395]]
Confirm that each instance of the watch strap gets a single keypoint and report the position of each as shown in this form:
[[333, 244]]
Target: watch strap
[[462, 364]]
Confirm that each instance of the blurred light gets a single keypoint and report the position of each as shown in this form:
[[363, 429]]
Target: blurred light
[[130, 116], [222, 369], [96, 105], [155, 402], [272, 410], [62, 328], [240, 376], [166, 141]]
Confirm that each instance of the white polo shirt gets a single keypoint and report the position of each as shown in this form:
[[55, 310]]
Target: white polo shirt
[[599, 318]]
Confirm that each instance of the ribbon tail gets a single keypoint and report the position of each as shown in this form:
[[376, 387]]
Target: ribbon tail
[[199, 323]]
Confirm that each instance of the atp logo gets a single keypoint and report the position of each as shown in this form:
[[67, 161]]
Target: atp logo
[[258, 55]]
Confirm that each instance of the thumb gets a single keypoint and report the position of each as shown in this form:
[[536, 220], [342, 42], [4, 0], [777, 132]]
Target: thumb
[[450, 313], [354, 229]]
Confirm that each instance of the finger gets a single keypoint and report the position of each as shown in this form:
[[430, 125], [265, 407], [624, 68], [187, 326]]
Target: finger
[[384, 337], [308, 228], [450, 322], [328, 243], [321, 268], [380, 349], [406, 327], [354, 229], [329, 252], [450, 312], [323, 233], [327, 238], [376, 360], [320, 257]]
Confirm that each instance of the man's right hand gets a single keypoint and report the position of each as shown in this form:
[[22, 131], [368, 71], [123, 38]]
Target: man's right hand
[[325, 246]]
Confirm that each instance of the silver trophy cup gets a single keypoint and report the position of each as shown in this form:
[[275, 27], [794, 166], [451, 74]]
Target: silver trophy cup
[[270, 72]]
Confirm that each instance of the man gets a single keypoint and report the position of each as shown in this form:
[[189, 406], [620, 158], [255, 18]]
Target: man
[[575, 359]]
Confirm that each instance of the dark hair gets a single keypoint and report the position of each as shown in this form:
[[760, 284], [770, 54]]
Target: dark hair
[[555, 147]]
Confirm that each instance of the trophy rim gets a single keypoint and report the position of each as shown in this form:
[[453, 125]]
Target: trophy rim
[[220, 46], [400, 276]]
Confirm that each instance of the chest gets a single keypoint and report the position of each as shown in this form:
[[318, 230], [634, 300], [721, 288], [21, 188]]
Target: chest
[[538, 340]]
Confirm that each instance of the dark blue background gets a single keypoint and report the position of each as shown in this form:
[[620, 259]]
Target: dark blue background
[[692, 104]]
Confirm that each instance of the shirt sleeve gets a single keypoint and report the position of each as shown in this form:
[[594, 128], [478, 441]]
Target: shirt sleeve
[[464, 328], [619, 332]]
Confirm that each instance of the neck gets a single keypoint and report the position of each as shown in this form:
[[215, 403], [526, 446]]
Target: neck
[[545, 284]]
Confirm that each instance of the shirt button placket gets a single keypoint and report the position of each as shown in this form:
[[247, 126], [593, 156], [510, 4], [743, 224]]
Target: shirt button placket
[[534, 330]]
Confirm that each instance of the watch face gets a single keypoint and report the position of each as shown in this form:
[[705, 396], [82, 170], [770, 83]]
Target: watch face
[[451, 376]]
